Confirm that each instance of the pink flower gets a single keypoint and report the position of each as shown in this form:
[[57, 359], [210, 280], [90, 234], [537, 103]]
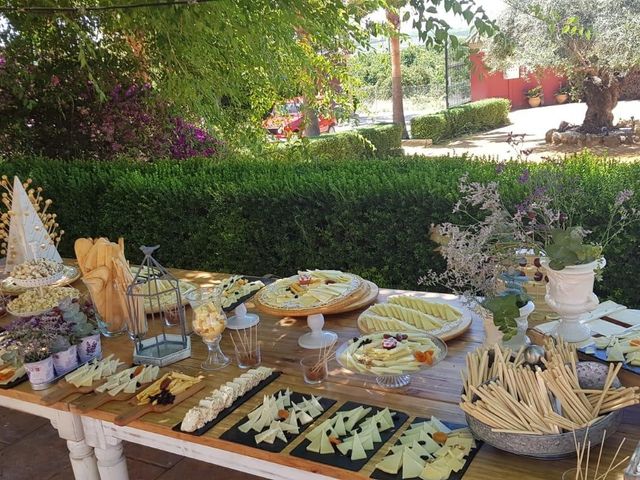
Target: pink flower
[[55, 81]]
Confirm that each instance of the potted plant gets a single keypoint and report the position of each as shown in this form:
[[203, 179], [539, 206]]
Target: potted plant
[[38, 361], [562, 95], [84, 330], [482, 263], [534, 96]]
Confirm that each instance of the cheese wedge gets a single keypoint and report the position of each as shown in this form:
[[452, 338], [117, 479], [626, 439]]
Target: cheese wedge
[[391, 463], [357, 450]]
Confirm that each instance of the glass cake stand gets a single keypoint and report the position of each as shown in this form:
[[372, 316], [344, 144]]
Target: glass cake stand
[[396, 380]]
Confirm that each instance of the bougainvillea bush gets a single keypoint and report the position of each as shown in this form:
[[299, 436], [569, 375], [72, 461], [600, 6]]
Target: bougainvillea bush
[[48, 110]]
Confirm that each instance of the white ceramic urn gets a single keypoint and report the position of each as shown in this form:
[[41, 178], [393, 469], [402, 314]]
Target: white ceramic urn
[[570, 294]]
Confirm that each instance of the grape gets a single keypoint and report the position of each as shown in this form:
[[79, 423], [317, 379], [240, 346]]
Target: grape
[[537, 263], [538, 276]]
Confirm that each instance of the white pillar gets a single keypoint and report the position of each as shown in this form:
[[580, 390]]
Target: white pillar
[[83, 461], [112, 463]]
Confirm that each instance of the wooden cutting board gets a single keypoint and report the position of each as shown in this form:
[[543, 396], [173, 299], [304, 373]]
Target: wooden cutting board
[[140, 410]]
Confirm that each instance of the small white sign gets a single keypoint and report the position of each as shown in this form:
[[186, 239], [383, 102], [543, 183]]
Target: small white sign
[[511, 73]]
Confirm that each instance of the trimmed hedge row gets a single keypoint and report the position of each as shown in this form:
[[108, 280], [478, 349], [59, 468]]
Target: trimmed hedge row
[[265, 216], [378, 141], [468, 118]]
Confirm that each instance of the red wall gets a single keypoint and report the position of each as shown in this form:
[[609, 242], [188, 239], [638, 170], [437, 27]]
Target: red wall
[[485, 84]]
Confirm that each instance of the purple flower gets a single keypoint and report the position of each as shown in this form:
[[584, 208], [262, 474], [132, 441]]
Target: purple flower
[[3, 61], [623, 197], [130, 91], [55, 80], [500, 167], [524, 176]]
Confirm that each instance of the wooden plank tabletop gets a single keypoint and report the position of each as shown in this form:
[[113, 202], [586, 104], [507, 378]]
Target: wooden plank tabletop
[[431, 392]]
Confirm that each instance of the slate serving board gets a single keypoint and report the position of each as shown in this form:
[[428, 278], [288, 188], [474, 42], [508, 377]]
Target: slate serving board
[[601, 356], [229, 410], [267, 279], [342, 461], [380, 475], [17, 381], [235, 435]]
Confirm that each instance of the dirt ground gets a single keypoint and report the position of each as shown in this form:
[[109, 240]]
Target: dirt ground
[[533, 123]]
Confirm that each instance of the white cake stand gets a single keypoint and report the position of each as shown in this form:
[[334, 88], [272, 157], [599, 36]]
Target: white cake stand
[[241, 319], [317, 337]]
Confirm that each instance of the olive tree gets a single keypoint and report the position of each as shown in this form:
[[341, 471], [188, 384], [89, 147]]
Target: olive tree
[[593, 42]]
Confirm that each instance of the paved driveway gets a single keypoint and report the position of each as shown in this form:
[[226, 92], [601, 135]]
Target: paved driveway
[[534, 123]]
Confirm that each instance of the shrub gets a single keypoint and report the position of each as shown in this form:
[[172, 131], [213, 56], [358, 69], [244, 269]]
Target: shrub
[[263, 216], [468, 118], [378, 141]]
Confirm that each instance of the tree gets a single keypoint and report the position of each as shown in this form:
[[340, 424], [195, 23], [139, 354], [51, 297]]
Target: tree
[[434, 31], [593, 42]]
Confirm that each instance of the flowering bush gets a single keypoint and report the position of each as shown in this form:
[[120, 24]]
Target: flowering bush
[[483, 253], [34, 338], [63, 114]]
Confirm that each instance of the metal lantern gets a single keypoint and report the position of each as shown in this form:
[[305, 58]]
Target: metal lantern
[[154, 302]]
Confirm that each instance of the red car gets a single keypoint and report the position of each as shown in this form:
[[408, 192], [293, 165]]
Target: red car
[[288, 119]]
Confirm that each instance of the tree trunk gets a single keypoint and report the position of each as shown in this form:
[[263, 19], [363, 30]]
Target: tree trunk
[[396, 73], [311, 122], [601, 95]]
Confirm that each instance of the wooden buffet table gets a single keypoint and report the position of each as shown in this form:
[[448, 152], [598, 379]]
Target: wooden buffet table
[[432, 392]]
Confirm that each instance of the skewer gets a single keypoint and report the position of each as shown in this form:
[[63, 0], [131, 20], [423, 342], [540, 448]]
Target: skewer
[[604, 434]]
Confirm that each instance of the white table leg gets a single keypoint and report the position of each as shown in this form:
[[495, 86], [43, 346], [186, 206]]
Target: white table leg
[[83, 462], [112, 463]]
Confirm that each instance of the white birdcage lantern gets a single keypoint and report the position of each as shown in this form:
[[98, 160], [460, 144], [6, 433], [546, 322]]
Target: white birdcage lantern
[[154, 303]]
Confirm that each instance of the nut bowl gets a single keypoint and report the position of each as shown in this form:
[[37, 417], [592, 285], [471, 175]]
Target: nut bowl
[[39, 282], [591, 375]]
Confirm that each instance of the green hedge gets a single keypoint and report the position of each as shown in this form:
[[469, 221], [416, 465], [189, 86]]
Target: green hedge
[[378, 141], [468, 118], [265, 216]]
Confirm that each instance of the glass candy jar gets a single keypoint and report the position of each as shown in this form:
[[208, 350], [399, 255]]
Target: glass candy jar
[[209, 321]]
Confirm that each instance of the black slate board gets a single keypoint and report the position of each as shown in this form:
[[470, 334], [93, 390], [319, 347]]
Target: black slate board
[[342, 461], [17, 381], [600, 355], [267, 279], [380, 475], [235, 435], [229, 410]]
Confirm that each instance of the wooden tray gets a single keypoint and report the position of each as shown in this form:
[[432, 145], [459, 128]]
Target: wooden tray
[[63, 389], [361, 297], [463, 326], [229, 410], [140, 410], [342, 461], [236, 436], [380, 475], [91, 402]]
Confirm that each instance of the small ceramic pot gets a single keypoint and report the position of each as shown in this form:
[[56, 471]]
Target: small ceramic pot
[[40, 372], [520, 338], [535, 101], [65, 361], [89, 348], [562, 98]]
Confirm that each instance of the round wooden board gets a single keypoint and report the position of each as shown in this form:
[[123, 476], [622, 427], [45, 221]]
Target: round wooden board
[[358, 299], [463, 326]]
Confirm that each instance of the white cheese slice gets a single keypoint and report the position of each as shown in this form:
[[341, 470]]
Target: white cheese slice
[[412, 465], [357, 450], [441, 427], [325, 445], [391, 463]]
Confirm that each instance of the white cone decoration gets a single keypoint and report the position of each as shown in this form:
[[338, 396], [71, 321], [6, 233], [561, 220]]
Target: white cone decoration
[[28, 237]]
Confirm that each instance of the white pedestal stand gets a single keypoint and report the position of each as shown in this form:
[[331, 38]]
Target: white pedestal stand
[[317, 337], [241, 319]]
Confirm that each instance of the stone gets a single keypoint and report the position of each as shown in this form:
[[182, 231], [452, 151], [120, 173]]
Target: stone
[[556, 138], [591, 140], [611, 141], [564, 126], [548, 137]]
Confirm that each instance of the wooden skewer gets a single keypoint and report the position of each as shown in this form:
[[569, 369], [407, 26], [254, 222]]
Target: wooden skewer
[[614, 457], [604, 434], [604, 476]]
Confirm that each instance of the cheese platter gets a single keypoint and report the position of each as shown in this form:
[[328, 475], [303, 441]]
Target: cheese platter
[[429, 450], [223, 401], [278, 420], [161, 396], [84, 379], [391, 356], [315, 291], [351, 437], [121, 386], [445, 319]]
